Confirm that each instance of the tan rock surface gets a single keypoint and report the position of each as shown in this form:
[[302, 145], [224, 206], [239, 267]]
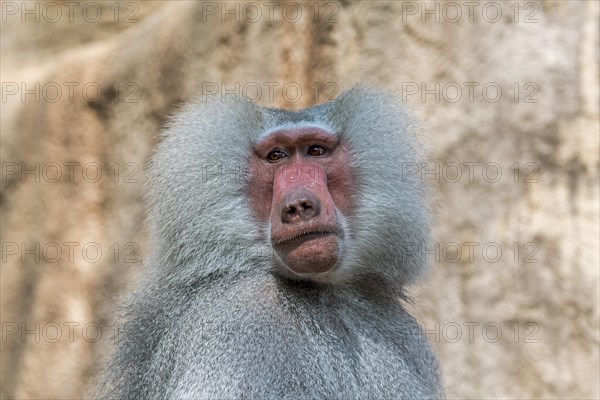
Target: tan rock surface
[[533, 313]]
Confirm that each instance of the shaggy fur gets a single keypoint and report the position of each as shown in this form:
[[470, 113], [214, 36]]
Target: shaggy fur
[[213, 319]]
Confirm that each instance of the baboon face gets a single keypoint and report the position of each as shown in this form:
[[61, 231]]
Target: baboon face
[[303, 188]]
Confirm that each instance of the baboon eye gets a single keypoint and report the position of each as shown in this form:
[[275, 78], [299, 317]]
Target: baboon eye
[[316, 150], [275, 155]]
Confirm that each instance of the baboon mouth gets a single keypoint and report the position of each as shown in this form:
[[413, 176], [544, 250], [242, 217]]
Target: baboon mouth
[[302, 236]]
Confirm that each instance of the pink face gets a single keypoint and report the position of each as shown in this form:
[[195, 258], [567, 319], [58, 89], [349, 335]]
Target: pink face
[[302, 186]]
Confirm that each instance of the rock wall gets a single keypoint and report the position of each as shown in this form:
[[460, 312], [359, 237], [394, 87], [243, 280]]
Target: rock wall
[[508, 97]]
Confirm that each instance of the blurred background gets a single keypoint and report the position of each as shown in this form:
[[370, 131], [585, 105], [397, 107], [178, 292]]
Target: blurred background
[[507, 93]]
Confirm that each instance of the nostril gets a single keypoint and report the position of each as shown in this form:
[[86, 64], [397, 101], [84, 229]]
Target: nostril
[[298, 207]]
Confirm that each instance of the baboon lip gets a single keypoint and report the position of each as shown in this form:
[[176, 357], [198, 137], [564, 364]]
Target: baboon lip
[[305, 235]]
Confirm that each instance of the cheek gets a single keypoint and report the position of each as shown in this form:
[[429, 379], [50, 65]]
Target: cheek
[[341, 188], [260, 190], [342, 185]]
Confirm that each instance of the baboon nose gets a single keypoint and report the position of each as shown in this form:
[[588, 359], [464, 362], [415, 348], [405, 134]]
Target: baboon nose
[[299, 206]]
